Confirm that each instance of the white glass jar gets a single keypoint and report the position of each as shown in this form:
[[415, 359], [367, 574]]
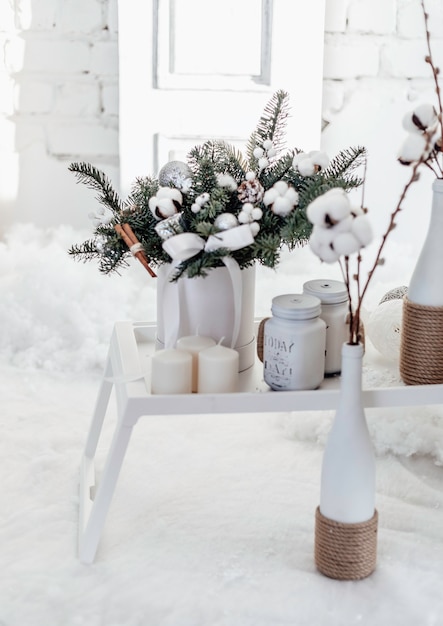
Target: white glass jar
[[334, 311], [294, 341]]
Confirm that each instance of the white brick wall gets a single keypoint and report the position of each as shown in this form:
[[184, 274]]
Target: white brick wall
[[58, 103], [374, 72], [59, 95]]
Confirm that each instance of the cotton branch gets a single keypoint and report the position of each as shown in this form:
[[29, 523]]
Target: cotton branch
[[434, 68]]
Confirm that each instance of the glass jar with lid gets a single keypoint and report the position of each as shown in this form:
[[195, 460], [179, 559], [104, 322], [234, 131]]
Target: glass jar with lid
[[334, 300], [294, 341]]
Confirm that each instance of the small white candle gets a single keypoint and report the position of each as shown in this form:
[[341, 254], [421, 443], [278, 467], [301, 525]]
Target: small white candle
[[194, 344], [218, 370], [171, 372]]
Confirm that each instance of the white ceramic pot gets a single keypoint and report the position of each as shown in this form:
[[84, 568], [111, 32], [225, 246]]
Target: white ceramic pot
[[220, 305]]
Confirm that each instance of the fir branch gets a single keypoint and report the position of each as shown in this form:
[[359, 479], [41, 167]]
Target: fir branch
[[142, 189], [271, 125], [280, 170], [345, 162], [266, 248], [95, 179], [86, 251]]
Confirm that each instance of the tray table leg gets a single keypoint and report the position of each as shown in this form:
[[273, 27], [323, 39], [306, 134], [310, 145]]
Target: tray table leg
[[100, 411], [93, 510]]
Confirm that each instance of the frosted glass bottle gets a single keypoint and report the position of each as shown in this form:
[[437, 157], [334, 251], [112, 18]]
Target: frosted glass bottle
[[347, 493], [426, 284], [294, 342], [334, 310]]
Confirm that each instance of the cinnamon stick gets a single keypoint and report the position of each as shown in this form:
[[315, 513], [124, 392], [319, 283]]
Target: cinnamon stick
[[128, 236]]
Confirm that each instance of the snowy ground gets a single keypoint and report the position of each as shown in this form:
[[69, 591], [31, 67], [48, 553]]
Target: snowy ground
[[212, 522]]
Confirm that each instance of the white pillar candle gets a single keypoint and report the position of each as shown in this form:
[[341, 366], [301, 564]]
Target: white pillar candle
[[194, 344], [218, 370], [171, 372]]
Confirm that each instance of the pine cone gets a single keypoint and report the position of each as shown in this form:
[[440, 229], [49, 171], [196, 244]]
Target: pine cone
[[250, 191]]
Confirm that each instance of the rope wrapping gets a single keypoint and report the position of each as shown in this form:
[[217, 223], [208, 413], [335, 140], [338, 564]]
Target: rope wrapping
[[345, 551], [421, 350]]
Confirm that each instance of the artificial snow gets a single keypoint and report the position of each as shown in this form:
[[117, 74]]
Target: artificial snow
[[212, 522]]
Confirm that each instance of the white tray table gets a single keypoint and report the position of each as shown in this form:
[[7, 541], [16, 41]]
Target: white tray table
[[127, 370]]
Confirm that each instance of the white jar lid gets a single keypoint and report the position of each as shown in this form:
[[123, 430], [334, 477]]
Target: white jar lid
[[296, 306], [329, 291]]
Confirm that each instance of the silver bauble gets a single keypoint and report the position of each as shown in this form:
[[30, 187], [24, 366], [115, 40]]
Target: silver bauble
[[225, 221], [169, 227], [175, 173]]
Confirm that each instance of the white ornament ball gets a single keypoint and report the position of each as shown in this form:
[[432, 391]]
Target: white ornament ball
[[225, 221], [174, 173], [384, 328], [255, 228]]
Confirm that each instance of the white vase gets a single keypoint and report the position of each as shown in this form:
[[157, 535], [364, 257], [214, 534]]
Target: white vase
[[421, 345], [220, 305], [426, 284], [348, 470]]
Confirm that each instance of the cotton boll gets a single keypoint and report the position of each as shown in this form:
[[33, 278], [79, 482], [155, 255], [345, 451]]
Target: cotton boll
[[339, 207], [343, 226], [171, 193], [167, 202], [316, 212], [281, 187], [226, 180], [424, 117], [326, 254], [166, 207], [332, 206], [153, 207], [281, 206], [292, 196], [320, 244], [316, 242], [384, 328], [297, 158], [306, 167], [408, 124], [325, 236], [413, 148], [270, 196], [319, 158], [361, 228], [356, 210], [346, 244]]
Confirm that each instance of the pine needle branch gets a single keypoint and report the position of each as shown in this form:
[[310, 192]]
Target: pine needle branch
[[271, 125], [98, 181]]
